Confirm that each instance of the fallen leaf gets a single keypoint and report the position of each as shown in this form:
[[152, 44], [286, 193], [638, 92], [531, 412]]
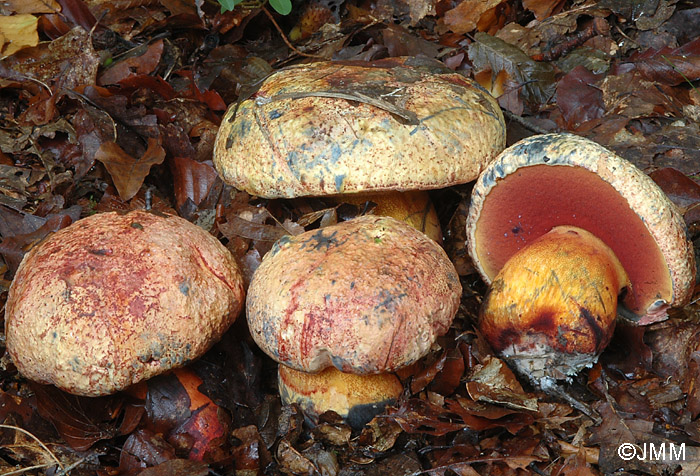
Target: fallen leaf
[[177, 467], [127, 172], [144, 448], [81, 421], [465, 16], [30, 6], [17, 32], [495, 383], [670, 66], [542, 8], [578, 97], [144, 60], [70, 59], [535, 78], [192, 180]]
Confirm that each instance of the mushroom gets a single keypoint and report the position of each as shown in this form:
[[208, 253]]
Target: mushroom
[[115, 299], [366, 296], [337, 128], [558, 225]]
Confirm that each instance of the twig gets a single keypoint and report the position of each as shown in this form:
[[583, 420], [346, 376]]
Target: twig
[[284, 37], [43, 446], [29, 468], [525, 123]]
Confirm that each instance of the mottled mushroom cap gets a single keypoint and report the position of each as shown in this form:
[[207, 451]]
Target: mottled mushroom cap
[[116, 298], [331, 127], [563, 179], [369, 295]]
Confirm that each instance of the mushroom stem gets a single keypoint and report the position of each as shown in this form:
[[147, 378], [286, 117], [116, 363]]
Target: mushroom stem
[[356, 398], [413, 207], [551, 309]]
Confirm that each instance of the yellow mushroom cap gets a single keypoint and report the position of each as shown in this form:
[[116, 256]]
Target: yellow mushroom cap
[[344, 127]]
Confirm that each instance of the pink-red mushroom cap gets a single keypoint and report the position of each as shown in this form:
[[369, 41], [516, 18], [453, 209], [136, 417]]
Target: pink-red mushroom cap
[[117, 298], [366, 296], [562, 179]]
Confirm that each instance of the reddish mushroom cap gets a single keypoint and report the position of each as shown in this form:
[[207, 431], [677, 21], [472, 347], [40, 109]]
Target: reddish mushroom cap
[[369, 295], [562, 179], [118, 298], [343, 127]]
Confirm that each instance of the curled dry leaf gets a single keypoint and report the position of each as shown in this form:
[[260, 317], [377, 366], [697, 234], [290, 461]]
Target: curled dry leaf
[[494, 382], [127, 172]]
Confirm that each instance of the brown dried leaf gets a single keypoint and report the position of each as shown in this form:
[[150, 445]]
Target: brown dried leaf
[[292, 461], [192, 180], [536, 78], [78, 13], [70, 58], [17, 32], [143, 61], [494, 382], [127, 172], [29, 6], [578, 99], [682, 191], [465, 16], [251, 455], [542, 8], [670, 66], [180, 7], [177, 467], [419, 416], [81, 421], [144, 448]]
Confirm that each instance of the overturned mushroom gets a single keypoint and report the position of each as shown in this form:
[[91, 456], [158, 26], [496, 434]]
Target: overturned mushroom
[[116, 298], [366, 296], [553, 300]]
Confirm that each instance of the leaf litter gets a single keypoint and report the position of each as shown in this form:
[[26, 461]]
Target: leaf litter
[[113, 105]]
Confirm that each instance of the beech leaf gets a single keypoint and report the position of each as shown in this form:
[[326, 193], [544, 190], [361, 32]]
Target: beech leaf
[[127, 172]]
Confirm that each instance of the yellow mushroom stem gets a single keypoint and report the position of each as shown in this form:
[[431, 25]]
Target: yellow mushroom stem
[[413, 207], [356, 398], [551, 309]]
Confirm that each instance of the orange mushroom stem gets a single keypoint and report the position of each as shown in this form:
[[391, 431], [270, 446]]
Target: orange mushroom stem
[[551, 309]]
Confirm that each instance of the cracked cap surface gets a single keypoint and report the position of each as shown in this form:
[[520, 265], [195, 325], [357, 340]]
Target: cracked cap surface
[[332, 127]]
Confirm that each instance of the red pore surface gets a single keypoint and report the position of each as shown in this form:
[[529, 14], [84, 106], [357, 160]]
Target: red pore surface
[[532, 200]]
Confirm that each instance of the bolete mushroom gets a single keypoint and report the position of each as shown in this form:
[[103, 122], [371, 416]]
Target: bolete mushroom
[[332, 128], [558, 225], [365, 296], [116, 298]]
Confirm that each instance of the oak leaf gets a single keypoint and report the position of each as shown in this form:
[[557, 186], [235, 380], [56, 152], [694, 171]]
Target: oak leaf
[[127, 172]]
